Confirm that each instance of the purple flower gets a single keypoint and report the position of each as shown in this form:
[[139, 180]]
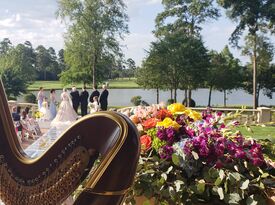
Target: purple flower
[[170, 133], [161, 134], [187, 149], [240, 154], [181, 120], [166, 152], [257, 161]]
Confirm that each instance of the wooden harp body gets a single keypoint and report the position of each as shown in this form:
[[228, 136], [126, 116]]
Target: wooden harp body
[[52, 177]]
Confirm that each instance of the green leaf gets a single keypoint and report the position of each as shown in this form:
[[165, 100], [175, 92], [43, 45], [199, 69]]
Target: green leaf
[[175, 159], [221, 194], [264, 175], [221, 174], [244, 185], [195, 155], [250, 200], [201, 186], [164, 176], [233, 199], [218, 181], [147, 202], [233, 177], [226, 186], [169, 169], [178, 184]]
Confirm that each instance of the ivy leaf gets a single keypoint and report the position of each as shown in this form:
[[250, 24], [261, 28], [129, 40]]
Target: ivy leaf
[[264, 175], [169, 170], [195, 155], [221, 194], [147, 202], [164, 176], [233, 177], [244, 185], [201, 186], [218, 181], [233, 199], [250, 200], [178, 183], [221, 174], [175, 159]]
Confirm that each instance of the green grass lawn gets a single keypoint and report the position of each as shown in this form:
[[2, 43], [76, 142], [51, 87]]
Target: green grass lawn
[[117, 83], [259, 132]]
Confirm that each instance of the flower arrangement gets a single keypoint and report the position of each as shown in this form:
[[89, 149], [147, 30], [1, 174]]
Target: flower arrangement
[[38, 114], [196, 158]]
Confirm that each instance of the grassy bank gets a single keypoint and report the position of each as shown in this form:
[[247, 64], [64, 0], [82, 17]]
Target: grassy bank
[[117, 83], [259, 132]]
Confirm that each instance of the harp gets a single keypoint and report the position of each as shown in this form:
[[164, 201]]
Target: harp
[[52, 177]]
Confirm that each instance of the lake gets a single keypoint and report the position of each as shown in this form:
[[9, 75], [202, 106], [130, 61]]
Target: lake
[[121, 97]]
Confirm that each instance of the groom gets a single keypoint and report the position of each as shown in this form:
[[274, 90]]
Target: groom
[[75, 98], [84, 95]]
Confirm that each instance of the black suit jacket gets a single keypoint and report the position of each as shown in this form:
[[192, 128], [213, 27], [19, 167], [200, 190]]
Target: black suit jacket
[[94, 93], [84, 98], [104, 98], [75, 97]]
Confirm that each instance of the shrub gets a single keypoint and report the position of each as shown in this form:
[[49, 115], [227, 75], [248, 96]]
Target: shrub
[[170, 101], [30, 98], [136, 100]]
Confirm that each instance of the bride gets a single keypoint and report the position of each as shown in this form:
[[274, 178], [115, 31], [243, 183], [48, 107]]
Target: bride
[[66, 114]]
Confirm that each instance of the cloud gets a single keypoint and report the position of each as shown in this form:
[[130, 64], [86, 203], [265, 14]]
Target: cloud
[[136, 46]]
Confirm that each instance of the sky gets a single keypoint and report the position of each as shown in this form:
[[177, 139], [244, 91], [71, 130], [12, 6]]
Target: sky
[[35, 21]]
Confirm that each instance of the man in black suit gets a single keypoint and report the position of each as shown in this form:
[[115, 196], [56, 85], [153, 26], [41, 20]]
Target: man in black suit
[[75, 98], [103, 100], [94, 93], [84, 95]]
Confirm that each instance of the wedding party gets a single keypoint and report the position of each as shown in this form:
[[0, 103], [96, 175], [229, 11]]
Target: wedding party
[[137, 102]]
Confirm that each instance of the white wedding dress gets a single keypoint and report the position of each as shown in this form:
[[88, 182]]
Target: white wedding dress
[[66, 114]]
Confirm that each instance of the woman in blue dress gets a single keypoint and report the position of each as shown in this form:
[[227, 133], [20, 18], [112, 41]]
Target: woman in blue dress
[[52, 104]]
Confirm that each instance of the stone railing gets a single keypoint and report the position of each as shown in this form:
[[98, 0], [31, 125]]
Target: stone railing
[[248, 116], [32, 106]]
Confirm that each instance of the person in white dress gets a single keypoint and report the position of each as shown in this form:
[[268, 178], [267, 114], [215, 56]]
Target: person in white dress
[[40, 97], [66, 114], [45, 110], [52, 104], [94, 106]]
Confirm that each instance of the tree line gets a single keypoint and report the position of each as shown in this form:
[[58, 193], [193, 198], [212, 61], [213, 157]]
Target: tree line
[[178, 58]]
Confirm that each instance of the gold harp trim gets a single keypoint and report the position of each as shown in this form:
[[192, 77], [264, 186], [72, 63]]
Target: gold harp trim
[[107, 159], [107, 193]]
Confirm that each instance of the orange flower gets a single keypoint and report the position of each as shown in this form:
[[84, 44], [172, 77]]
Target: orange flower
[[150, 123], [134, 119], [146, 142], [163, 113]]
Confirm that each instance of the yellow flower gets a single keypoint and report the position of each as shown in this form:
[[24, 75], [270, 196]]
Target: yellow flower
[[193, 114], [168, 122], [176, 108]]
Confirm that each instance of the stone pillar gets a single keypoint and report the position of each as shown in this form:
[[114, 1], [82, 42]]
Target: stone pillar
[[264, 115]]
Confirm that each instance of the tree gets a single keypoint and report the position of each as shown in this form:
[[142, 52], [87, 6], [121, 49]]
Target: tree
[[93, 33], [43, 61], [53, 66], [265, 74], [225, 73], [256, 16], [16, 68], [61, 61], [5, 45], [13, 83], [152, 75], [185, 16], [183, 60]]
